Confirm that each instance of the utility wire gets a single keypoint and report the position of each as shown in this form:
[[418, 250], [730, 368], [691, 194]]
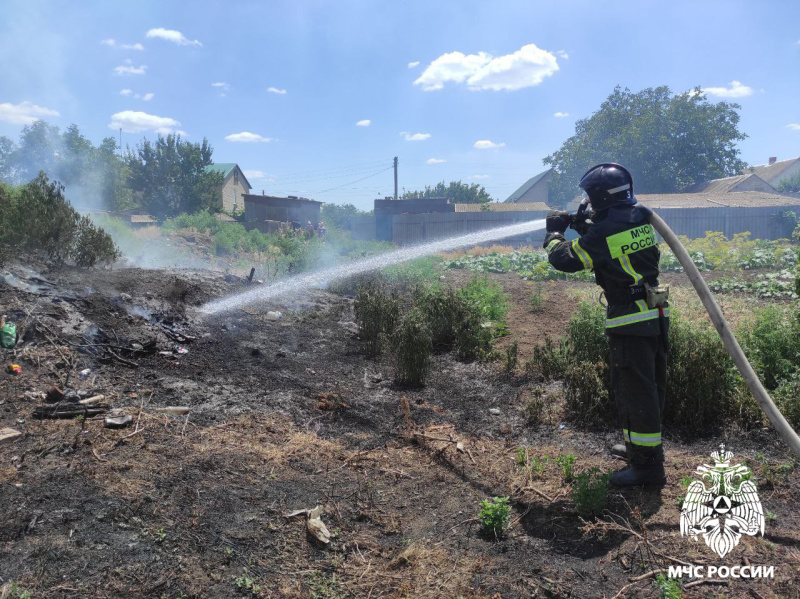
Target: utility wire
[[356, 181]]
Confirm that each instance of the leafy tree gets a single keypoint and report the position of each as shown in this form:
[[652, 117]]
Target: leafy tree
[[170, 176], [8, 150], [39, 145], [790, 184], [457, 192], [667, 141], [339, 215]]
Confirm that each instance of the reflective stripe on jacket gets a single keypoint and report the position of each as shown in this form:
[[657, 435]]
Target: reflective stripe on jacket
[[622, 249]]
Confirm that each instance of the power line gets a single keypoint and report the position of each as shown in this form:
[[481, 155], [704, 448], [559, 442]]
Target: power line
[[356, 181]]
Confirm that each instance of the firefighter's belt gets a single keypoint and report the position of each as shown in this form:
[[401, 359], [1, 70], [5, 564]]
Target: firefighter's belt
[[627, 295]]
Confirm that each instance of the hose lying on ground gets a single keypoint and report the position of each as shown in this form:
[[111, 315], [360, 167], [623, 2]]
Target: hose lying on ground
[[784, 429]]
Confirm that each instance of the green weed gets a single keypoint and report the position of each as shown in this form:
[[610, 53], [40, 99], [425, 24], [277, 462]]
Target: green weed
[[590, 492], [377, 311], [495, 515], [668, 588], [411, 348], [567, 463], [534, 408], [326, 587], [511, 357]]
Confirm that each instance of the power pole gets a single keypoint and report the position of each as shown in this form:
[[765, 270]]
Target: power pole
[[395, 177]]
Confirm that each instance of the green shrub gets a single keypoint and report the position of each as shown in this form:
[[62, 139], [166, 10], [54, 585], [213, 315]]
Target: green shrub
[[586, 339], [590, 492], [440, 306], [550, 360], [787, 398], [487, 297], [534, 409], [411, 348], [567, 463], [376, 312], [511, 357], [702, 385], [668, 588], [495, 515], [473, 337], [587, 394], [772, 346], [37, 216]]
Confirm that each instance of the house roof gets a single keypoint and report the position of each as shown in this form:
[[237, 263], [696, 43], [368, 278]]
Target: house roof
[[726, 184], [226, 168], [252, 197], [523, 189], [504, 207], [143, 218], [769, 172], [733, 199]]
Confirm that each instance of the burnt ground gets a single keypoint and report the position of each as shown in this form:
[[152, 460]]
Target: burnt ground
[[289, 414]]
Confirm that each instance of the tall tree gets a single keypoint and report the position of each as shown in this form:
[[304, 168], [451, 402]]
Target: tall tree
[[667, 141], [457, 192], [8, 151], [170, 176], [39, 150]]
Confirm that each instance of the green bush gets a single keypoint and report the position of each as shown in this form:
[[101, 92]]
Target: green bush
[[586, 339], [487, 297], [511, 357], [587, 394], [787, 398], [376, 312], [772, 346], [411, 348], [37, 216], [440, 306], [567, 463], [473, 336], [703, 389], [668, 588], [550, 360], [495, 515], [590, 492]]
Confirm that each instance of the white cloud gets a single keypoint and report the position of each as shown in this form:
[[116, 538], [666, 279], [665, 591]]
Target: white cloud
[[133, 121], [526, 67], [415, 136], [364, 123], [171, 35], [125, 92], [736, 90], [795, 126], [113, 44], [129, 69], [276, 90], [247, 137], [560, 115], [256, 175], [24, 113], [149, 96], [411, 65], [222, 85], [485, 144], [478, 177], [435, 161], [562, 54]]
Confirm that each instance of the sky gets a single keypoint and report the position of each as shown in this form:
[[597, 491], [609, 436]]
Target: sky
[[315, 98]]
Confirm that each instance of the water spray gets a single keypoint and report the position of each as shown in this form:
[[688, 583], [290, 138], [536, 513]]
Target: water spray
[[774, 415], [322, 278]]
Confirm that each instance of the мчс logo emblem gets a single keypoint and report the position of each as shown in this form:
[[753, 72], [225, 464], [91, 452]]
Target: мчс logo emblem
[[724, 510]]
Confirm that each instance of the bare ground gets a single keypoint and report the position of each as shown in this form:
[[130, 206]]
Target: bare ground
[[289, 414]]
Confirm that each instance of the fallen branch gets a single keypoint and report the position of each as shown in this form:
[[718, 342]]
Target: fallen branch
[[699, 582], [121, 359], [625, 588], [646, 575]]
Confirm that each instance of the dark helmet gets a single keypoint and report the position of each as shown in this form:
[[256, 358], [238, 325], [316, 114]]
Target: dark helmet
[[608, 184]]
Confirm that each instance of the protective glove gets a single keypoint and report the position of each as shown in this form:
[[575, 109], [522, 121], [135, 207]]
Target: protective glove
[[557, 221]]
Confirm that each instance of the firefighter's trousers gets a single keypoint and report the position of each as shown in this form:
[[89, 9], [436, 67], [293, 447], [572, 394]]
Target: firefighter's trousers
[[639, 382]]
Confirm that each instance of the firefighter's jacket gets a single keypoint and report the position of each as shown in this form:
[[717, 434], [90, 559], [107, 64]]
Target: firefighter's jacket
[[622, 249]]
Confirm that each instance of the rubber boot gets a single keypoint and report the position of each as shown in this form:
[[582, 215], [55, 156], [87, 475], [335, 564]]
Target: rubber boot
[[620, 451], [637, 476]]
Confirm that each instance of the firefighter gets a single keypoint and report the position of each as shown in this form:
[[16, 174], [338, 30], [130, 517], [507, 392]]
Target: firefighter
[[620, 245]]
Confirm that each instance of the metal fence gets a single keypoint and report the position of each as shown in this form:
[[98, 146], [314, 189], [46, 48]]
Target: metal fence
[[768, 222]]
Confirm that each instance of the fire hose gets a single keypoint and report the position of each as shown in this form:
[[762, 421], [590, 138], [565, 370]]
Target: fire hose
[[774, 415]]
